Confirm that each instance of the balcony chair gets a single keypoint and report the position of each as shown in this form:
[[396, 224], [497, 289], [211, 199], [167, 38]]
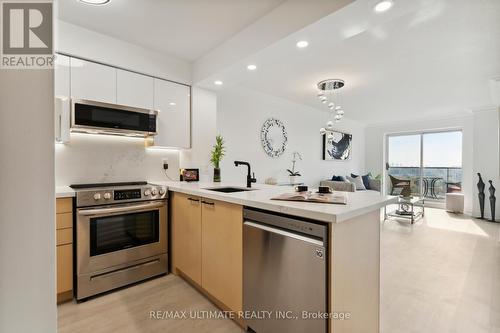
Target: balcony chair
[[403, 184]]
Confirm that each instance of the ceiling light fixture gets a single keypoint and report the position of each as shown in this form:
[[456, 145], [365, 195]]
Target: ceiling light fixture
[[383, 6], [251, 67], [95, 2], [172, 103], [328, 94], [303, 43], [218, 83]]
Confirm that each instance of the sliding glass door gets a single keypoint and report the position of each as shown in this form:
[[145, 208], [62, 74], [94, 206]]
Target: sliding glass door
[[403, 167], [427, 164]]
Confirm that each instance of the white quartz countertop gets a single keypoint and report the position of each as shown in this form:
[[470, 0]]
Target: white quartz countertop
[[358, 203], [64, 192]]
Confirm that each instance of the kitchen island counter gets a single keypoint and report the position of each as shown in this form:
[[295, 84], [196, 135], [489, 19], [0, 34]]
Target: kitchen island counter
[[358, 203]]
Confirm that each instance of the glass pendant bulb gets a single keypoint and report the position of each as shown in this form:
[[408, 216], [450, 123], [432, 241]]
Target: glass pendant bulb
[[338, 107], [340, 112], [329, 124], [330, 137], [338, 117], [322, 131]]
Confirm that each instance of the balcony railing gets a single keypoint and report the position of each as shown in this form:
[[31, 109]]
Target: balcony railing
[[436, 181]]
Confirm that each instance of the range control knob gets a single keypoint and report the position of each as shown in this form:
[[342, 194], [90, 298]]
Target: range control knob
[[147, 192], [107, 196], [162, 191], [154, 191], [97, 196]]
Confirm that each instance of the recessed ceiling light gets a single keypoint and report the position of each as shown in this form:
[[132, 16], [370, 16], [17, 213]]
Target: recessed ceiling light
[[218, 83], [302, 44], [95, 2], [383, 6], [251, 67], [172, 103]]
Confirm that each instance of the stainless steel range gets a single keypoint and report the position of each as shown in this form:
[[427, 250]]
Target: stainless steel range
[[121, 235]]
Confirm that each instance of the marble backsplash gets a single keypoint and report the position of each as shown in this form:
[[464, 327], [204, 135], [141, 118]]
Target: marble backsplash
[[92, 158]]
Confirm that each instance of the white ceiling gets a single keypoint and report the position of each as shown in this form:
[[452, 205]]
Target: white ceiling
[[183, 28], [423, 58]]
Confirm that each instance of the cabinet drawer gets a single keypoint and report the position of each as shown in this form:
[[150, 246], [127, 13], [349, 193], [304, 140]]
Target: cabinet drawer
[[64, 236], [64, 221], [64, 268], [64, 205]]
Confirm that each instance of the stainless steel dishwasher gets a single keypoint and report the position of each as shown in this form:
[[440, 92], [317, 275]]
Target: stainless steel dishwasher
[[284, 273]]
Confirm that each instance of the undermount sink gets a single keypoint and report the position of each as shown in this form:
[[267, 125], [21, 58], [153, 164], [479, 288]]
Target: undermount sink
[[228, 189]]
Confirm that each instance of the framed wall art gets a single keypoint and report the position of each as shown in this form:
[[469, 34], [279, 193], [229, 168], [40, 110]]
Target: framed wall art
[[337, 146]]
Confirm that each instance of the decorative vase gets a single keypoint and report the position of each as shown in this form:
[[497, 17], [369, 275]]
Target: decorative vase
[[217, 175]]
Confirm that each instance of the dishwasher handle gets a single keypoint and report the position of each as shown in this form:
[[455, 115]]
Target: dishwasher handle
[[285, 233]]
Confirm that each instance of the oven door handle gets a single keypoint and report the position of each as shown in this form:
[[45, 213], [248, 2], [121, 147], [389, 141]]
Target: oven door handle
[[129, 208]]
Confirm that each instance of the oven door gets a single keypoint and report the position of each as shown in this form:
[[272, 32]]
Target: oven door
[[113, 235]]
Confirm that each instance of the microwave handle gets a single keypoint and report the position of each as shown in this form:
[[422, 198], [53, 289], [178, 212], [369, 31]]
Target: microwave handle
[[128, 208]]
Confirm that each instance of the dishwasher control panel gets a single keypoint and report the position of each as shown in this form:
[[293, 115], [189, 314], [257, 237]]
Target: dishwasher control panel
[[290, 223]]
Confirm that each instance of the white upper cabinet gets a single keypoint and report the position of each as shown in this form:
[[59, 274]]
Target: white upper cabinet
[[80, 79], [173, 101], [134, 89], [62, 98], [93, 81]]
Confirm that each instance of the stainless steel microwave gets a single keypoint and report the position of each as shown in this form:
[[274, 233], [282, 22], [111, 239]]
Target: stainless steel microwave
[[104, 118]]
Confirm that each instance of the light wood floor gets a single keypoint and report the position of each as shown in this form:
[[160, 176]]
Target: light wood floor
[[440, 275]]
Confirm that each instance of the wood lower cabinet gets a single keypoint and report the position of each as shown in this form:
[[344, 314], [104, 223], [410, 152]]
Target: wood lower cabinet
[[207, 246], [222, 252], [64, 249], [186, 235]]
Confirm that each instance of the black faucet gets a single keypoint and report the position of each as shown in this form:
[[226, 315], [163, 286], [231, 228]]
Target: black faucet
[[250, 179]]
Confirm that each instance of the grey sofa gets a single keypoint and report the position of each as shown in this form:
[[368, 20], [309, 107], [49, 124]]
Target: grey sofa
[[345, 186]]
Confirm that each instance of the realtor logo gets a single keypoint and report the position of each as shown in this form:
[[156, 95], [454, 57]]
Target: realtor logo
[[26, 34]]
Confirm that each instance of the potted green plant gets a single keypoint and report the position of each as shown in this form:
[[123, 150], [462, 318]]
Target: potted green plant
[[216, 156]]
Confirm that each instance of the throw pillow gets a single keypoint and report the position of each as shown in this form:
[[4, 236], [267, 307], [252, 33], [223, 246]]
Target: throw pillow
[[366, 179], [358, 182], [374, 184], [338, 178]]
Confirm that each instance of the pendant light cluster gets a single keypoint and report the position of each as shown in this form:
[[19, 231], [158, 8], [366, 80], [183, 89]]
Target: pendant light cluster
[[328, 94]]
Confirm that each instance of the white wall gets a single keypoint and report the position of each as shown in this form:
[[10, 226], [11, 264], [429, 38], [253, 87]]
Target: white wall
[[77, 41], [203, 131], [240, 115], [486, 157], [375, 145], [27, 202]]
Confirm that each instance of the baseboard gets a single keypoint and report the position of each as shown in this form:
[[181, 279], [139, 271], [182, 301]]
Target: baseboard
[[64, 296]]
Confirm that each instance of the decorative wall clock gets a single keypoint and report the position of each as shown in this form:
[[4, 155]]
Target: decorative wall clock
[[273, 137]]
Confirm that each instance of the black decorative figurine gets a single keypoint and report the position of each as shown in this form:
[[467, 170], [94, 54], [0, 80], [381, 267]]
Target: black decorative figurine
[[480, 187], [493, 200]]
